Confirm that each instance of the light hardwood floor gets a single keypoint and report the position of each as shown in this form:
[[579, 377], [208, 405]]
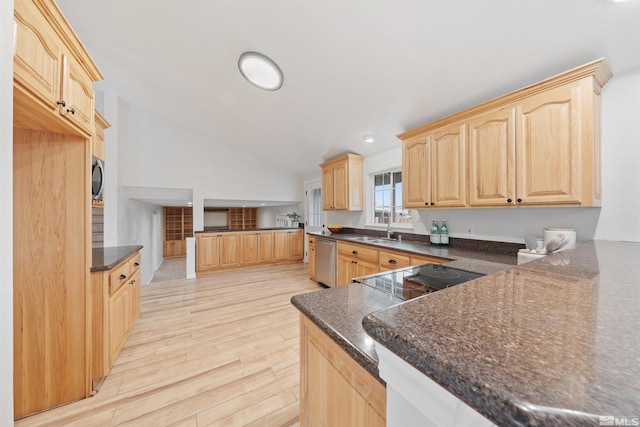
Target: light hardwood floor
[[222, 349]]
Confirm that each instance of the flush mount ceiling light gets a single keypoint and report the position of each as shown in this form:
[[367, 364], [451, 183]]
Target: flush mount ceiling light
[[368, 138], [260, 71]]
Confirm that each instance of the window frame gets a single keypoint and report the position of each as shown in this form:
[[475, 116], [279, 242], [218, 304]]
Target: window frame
[[371, 194]]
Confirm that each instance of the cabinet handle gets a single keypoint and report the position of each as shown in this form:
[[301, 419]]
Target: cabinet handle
[[71, 110], [136, 264], [393, 261], [432, 203], [519, 200], [509, 200], [426, 203], [355, 252], [64, 104], [122, 277]]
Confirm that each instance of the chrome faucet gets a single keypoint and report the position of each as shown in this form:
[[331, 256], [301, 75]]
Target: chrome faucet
[[389, 229]]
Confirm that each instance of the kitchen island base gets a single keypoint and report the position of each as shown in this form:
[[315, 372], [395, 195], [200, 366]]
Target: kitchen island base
[[334, 389]]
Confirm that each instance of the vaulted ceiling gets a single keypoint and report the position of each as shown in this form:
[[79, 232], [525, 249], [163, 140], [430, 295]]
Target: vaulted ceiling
[[351, 66]]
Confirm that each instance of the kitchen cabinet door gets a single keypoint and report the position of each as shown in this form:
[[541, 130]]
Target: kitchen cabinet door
[[335, 390], [265, 246], [281, 246], [492, 159], [207, 252], [342, 183], [340, 187], [77, 93], [416, 173], [448, 166], [230, 246], [249, 248], [327, 189], [120, 321], [311, 257], [296, 245], [135, 293], [549, 147], [346, 269], [37, 56]]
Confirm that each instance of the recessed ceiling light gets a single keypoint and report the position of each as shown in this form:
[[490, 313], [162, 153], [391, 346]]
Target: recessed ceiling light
[[368, 138], [189, 204], [260, 71], [262, 204]]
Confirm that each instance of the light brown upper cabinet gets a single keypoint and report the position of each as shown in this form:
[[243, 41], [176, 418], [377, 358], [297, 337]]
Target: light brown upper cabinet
[[492, 162], [52, 70], [554, 157], [434, 168], [536, 146], [342, 184]]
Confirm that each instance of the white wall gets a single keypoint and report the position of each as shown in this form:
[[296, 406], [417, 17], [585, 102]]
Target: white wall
[[6, 212], [618, 219], [216, 219], [137, 230], [144, 150], [267, 215]]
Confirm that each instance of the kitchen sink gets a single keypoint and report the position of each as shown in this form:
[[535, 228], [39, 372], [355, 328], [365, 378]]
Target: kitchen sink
[[371, 239]]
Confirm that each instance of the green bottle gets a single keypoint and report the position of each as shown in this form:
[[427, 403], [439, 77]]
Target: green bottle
[[444, 233], [435, 233]]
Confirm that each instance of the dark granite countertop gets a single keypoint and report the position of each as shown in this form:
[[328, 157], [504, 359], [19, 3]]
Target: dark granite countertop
[[235, 230], [552, 342], [107, 258], [339, 312], [422, 247]]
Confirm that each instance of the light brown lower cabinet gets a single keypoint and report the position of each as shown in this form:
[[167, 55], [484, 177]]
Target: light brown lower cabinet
[[334, 389], [311, 257], [288, 245], [216, 251], [115, 308], [355, 261]]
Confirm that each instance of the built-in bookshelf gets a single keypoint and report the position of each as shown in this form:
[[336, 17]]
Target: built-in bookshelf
[[178, 225]]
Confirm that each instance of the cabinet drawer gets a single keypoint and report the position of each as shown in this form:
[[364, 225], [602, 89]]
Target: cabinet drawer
[[360, 252], [393, 260], [118, 277], [419, 259], [134, 263]]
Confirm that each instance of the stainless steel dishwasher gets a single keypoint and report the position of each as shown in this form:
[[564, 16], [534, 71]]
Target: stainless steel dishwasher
[[326, 261]]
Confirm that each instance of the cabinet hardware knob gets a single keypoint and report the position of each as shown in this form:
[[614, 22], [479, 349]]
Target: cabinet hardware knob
[[432, 203], [71, 110], [355, 252], [393, 261], [426, 203], [509, 200], [519, 200], [136, 264], [122, 277], [64, 104]]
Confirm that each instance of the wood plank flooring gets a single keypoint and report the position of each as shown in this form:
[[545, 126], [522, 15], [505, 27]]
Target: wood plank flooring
[[222, 349]]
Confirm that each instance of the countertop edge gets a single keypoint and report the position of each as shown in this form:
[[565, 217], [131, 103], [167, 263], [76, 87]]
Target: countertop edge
[[119, 254], [370, 365]]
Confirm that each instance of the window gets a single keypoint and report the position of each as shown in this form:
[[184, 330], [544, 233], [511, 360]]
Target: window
[[314, 197], [387, 197]]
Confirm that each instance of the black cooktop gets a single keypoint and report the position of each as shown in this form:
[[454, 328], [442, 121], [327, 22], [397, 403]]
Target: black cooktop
[[412, 282]]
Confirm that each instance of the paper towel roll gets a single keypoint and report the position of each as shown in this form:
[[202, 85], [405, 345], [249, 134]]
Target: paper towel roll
[[566, 233]]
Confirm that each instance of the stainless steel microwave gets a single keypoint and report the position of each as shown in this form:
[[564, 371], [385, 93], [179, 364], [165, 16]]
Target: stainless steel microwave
[[97, 179]]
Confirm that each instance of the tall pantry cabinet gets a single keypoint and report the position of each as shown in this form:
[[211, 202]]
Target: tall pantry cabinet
[[53, 127]]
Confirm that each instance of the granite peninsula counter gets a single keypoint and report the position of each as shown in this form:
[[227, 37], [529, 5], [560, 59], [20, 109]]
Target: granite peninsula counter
[[551, 342]]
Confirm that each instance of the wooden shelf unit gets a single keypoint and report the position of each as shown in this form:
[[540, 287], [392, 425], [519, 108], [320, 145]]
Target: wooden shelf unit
[[178, 225], [243, 218]]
